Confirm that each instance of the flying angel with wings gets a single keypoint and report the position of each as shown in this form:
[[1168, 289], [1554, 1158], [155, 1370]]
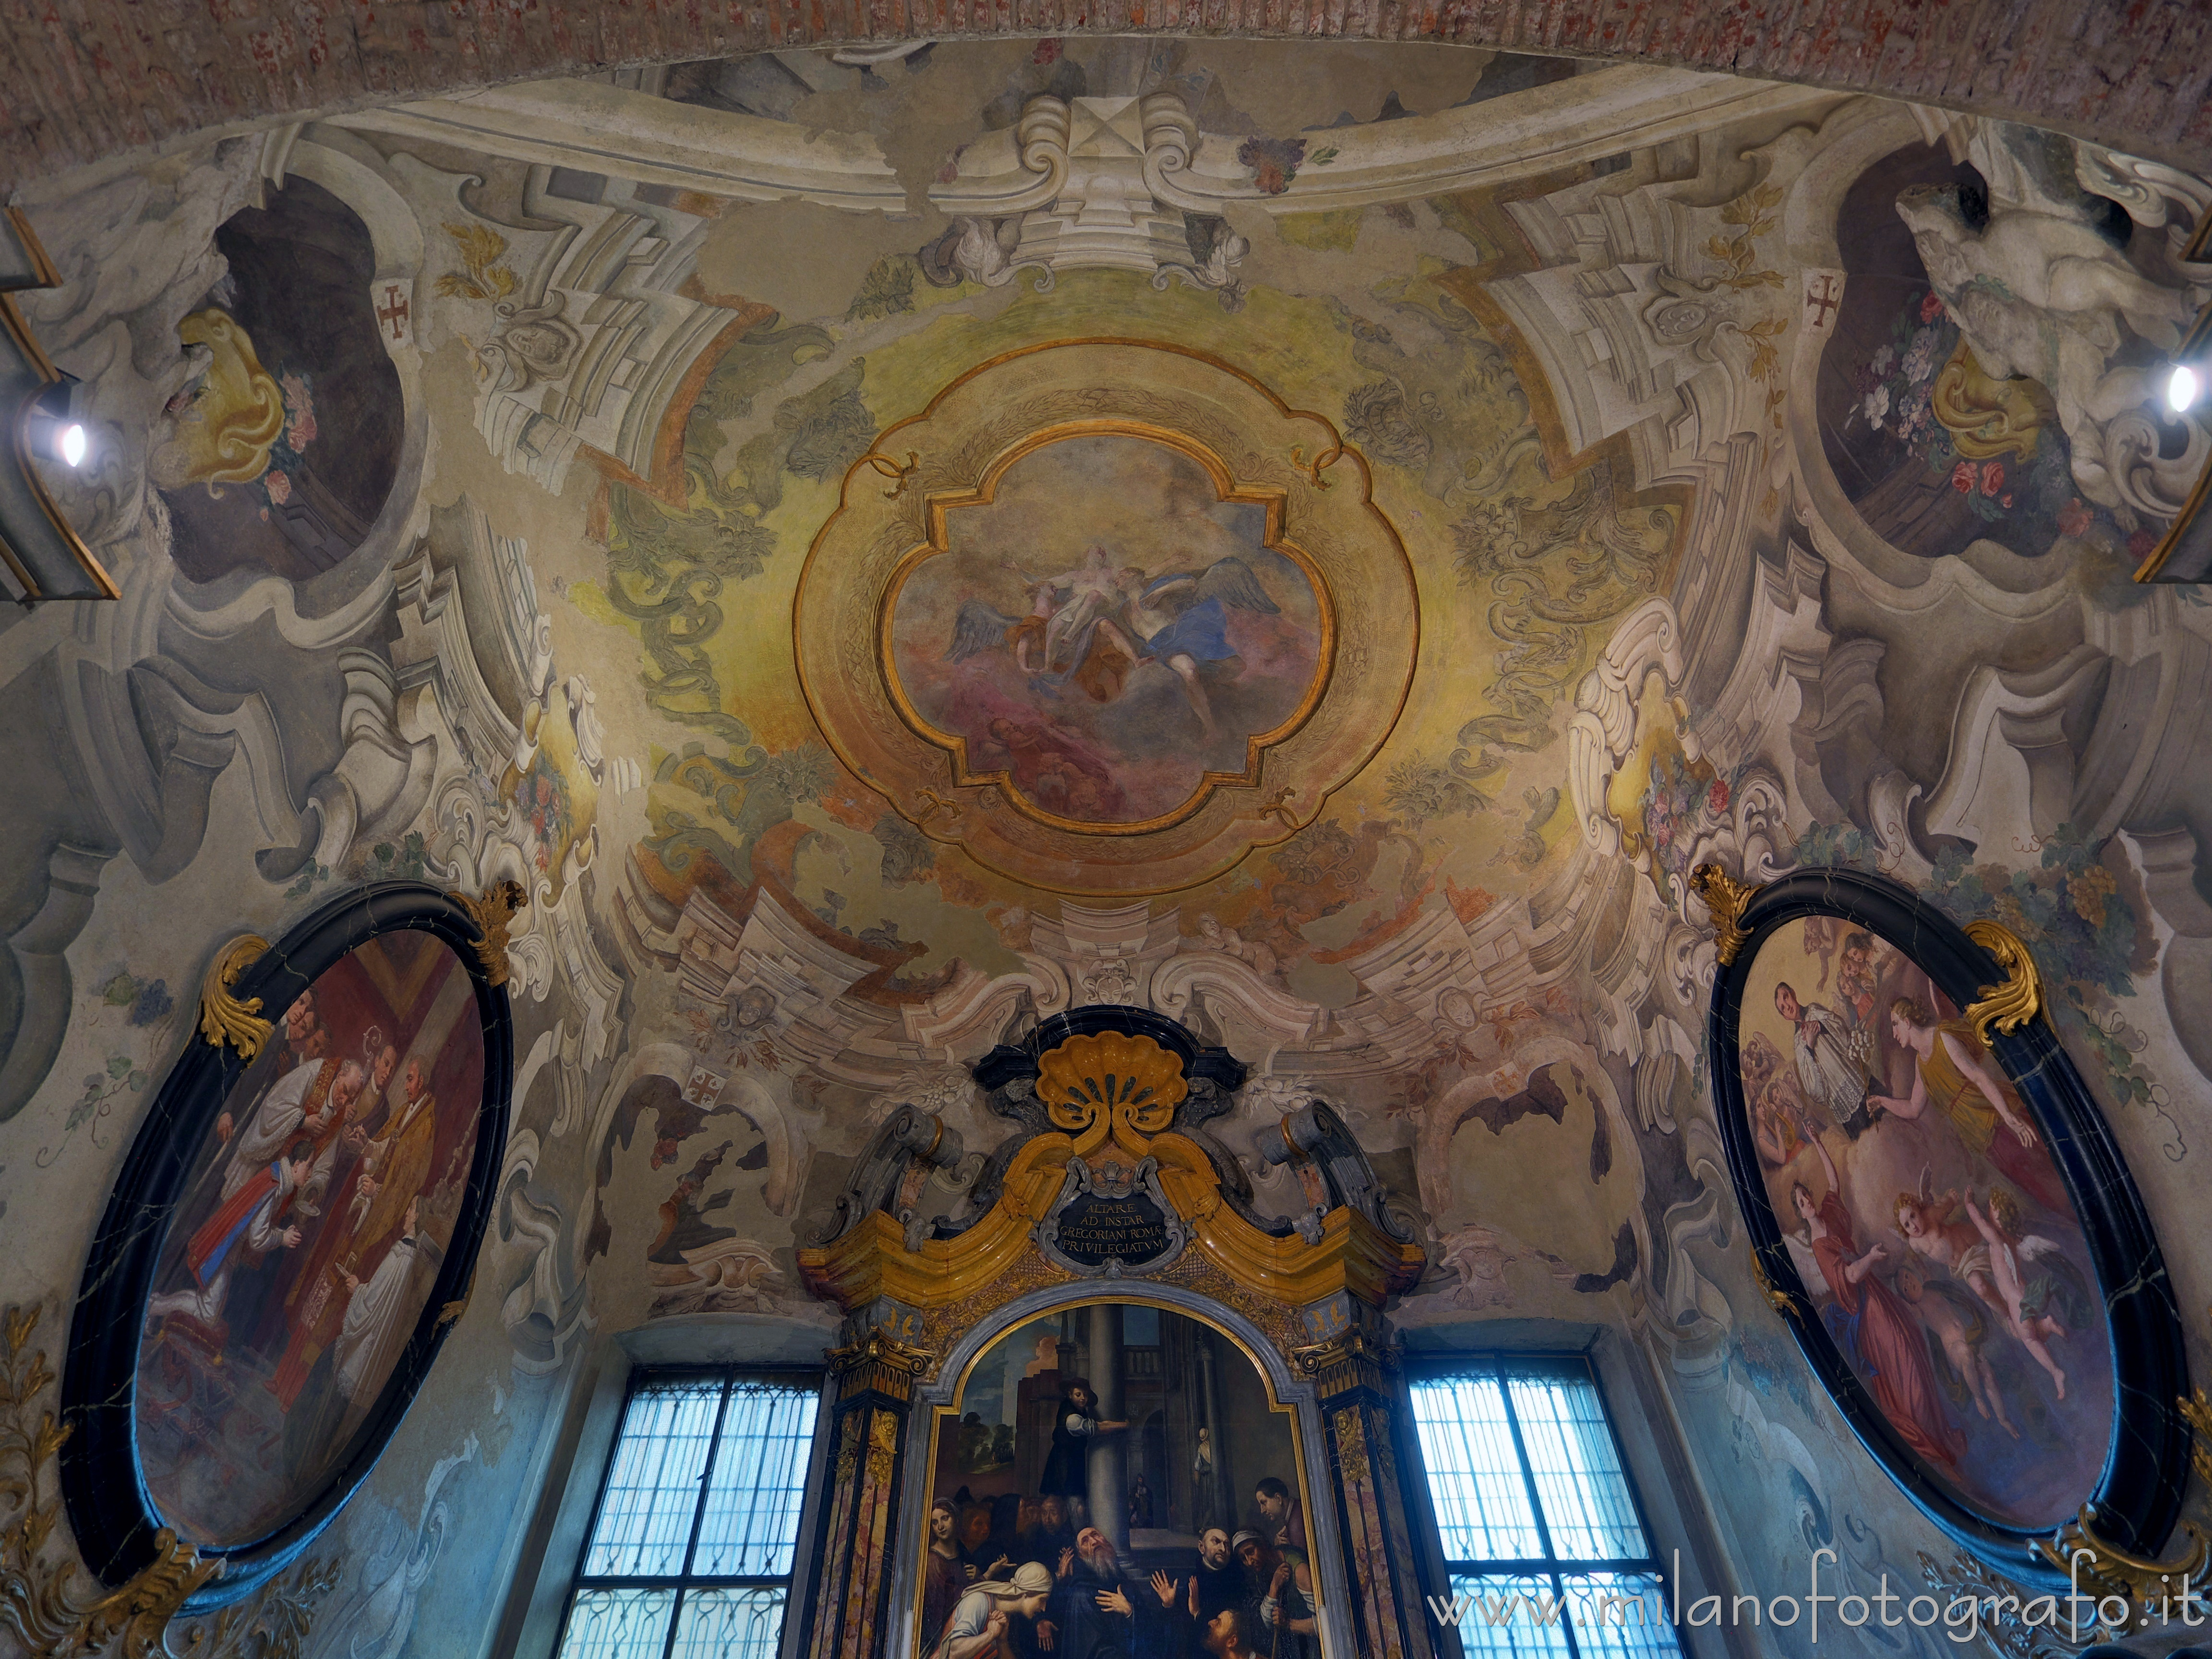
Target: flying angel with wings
[[1087, 626]]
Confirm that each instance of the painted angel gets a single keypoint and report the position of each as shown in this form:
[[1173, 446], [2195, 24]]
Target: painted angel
[[1182, 621], [1072, 631]]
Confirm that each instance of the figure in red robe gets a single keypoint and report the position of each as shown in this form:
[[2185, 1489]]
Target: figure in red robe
[[1892, 1355]]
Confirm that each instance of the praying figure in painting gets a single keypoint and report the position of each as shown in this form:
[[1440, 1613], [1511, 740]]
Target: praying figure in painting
[[1099, 1611], [391, 1171], [1831, 1067], [253, 1221], [1891, 1356], [981, 1625], [1958, 1076], [1066, 1468], [380, 1314], [313, 1097], [1218, 1583]]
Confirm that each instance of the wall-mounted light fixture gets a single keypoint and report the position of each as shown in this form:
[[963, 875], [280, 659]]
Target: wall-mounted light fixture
[[44, 557], [2184, 554]]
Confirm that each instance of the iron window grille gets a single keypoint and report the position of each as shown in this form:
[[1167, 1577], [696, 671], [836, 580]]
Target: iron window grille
[[1545, 1541], [694, 1536]]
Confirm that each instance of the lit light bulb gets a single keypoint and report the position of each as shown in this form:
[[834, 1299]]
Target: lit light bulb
[[2181, 388], [75, 444]]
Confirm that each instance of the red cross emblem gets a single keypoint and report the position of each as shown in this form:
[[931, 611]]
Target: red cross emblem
[[1822, 301], [393, 313]]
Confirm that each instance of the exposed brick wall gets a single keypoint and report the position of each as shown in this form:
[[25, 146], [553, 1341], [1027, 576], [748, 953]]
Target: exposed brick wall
[[88, 78]]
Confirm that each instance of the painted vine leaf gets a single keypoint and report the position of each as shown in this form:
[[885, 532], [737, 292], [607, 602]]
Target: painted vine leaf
[[481, 276]]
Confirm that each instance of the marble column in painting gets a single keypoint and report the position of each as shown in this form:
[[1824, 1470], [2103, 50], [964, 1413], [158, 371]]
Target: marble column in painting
[[1109, 1465], [870, 1400], [1352, 1379], [1224, 1512]]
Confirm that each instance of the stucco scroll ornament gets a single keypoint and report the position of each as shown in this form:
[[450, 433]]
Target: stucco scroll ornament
[[2016, 1000], [1215, 251], [38, 1599], [1725, 897], [224, 1017], [492, 914]]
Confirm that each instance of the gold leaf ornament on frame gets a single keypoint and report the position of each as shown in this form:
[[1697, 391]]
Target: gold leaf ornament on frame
[[224, 1017], [492, 913], [40, 1601], [2016, 1000], [1777, 1298], [2196, 1412], [1111, 1083], [1725, 898], [2107, 1571]]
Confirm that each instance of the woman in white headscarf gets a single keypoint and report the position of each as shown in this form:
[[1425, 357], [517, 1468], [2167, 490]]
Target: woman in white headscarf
[[978, 1629]]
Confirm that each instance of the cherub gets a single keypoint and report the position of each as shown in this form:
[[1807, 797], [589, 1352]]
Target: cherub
[[2038, 1300], [1821, 941], [1955, 1325], [1856, 977], [1776, 1114], [1936, 1227], [1954, 1233]]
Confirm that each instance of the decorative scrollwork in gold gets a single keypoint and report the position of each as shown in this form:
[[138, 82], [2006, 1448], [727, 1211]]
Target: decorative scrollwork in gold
[[1780, 1300], [2196, 1412], [1725, 897], [1354, 1360], [2016, 1000], [224, 1017], [275, 1624], [1111, 1083], [880, 1363], [451, 1313], [2105, 1570], [40, 1599], [491, 914]]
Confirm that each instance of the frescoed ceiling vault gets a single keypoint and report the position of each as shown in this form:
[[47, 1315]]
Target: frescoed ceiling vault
[[1316, 540]]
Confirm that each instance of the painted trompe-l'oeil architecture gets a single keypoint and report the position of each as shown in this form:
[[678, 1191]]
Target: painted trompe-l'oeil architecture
[[931, 573]]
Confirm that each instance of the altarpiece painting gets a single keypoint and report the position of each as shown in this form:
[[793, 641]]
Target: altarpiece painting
[[1117, 1477]]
